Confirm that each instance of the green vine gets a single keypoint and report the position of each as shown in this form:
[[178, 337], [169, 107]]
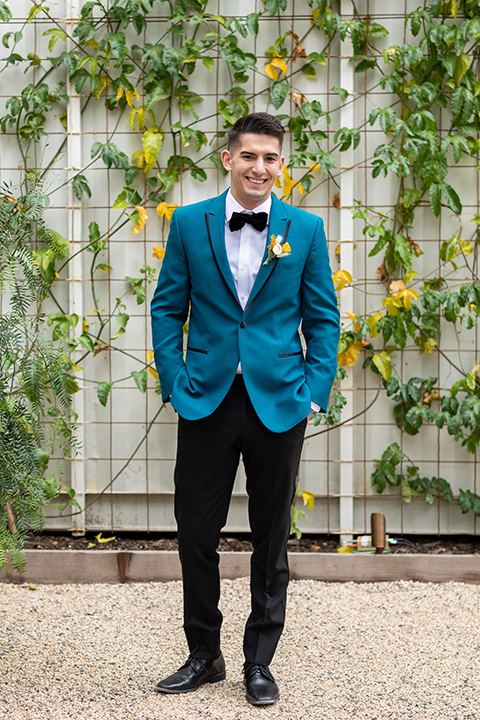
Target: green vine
[[430, 126]]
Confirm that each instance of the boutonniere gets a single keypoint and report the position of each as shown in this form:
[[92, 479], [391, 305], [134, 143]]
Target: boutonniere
[[276, 249]]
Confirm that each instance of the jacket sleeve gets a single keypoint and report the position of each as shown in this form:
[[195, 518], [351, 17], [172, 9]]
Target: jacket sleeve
[[169, 310], [321, 320]]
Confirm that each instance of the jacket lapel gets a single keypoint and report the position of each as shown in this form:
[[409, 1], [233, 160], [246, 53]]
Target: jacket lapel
[[277, 226], [215, 220]]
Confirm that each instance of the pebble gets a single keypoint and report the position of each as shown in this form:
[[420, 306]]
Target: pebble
[[377, 651]]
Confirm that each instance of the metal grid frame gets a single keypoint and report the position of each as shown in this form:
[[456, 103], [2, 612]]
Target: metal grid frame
[[336, 466]]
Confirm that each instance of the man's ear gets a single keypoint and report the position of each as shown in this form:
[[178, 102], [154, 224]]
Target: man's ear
[[282, 163], [226, 159]]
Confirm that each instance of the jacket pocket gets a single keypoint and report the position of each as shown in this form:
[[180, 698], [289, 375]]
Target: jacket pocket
[[192, 349], [300, 352]]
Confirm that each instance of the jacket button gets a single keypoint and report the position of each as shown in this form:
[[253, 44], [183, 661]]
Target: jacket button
[[243, 324]]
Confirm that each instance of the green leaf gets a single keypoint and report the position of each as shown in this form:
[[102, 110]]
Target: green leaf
[[80, 187], [103, 392], [141, 379], [87, 342], [6, 13], [252, 23], [383, 363], [208, 62], [341, 91], [402, 252], [309, 70], [399, 332], [435, 196], [462, 64], [60, 244], [453, 201], [278, 93], [152, 142]]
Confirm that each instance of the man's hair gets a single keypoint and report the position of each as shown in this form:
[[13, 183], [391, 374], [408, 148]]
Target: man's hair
[[259, 123]]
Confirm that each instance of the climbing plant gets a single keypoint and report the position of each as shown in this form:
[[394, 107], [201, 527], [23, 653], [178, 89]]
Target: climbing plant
[[150, 83]]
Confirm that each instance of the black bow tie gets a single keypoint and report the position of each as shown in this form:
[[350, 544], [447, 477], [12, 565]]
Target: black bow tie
[[257, 220]]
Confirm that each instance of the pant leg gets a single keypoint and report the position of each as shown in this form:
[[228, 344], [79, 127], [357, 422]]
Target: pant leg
[[271, 465], [207, 459]]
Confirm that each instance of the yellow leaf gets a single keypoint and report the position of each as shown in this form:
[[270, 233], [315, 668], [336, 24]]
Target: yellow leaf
[[314, 16], [137, 94], [288, 183], [158, 252], [301, 189], [166, 209], [351, 316], [119, 92], [129, 97], [337, 250], [150, 356], [373, 322], [308, 499], [342, 277], [409, 276], [315, 166], [392, 304], [153, 372], [406, 296], [350, 356], [86, 325], [139, 157], [269, 69], [102, 84], [466, 246], [279, 62], [90, 545], [277, 182], [142, 219], [101, 539]]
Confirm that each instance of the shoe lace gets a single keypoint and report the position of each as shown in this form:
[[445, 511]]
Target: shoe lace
[[250, 669]]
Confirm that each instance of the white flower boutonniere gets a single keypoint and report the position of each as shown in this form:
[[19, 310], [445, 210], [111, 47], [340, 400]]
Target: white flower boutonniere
[[276, 249]]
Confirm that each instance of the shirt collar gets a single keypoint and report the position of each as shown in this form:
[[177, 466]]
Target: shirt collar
[[231, 206]]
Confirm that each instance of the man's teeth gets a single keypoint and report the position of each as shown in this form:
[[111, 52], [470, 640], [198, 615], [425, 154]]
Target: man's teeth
[[257, 182]]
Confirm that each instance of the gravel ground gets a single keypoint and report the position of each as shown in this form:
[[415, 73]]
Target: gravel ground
[[378, 651]]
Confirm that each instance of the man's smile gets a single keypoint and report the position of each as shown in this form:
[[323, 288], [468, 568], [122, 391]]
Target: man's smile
[[257, 154]]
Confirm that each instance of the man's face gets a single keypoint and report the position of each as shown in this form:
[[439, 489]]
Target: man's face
[[254, 163]]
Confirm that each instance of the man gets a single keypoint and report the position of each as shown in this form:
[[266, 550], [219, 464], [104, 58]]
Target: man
[[244, 388]]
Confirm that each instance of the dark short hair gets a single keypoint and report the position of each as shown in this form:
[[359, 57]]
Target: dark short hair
[[259, 123]]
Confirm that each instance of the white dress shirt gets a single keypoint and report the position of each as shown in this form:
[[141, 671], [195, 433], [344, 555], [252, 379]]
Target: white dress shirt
[[245, 247], [245, 251]]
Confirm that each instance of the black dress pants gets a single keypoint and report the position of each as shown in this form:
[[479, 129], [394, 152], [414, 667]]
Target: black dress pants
[[207, 459]]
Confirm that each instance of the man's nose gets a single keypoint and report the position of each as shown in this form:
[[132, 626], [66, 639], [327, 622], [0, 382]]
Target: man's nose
[[258, 166]]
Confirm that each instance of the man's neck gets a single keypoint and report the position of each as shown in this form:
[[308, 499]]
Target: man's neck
[[250, 206]]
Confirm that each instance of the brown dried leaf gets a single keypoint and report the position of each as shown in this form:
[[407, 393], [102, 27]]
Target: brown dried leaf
[[299, 99], [414, 247], [381, 274], [99, 347], [434, 395], [336, 200], [299, 52], [396, 286]]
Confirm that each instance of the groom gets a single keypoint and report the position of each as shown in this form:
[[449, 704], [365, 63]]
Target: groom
[[243, 270]]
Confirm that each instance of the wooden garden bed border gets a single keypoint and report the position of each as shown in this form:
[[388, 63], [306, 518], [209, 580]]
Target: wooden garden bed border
[[114, 566]]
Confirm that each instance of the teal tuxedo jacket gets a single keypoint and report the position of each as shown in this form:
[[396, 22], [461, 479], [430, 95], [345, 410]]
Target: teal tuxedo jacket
[[290, 291]]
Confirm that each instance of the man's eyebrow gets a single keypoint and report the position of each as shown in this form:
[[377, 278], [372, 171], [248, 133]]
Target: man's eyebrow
[[250, 152]]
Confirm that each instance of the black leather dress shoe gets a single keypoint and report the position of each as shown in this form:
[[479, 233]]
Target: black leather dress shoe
[[194, 673], [261, 687]]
